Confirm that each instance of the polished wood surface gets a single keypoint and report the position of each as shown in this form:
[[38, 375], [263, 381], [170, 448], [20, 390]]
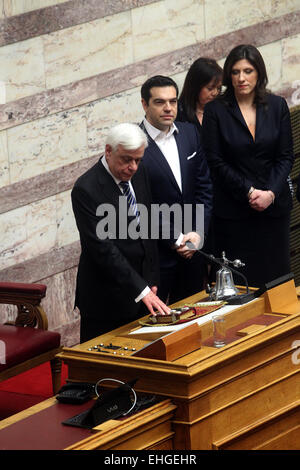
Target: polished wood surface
[[26, 413], [149, 429], [218, 393], [275, 432]]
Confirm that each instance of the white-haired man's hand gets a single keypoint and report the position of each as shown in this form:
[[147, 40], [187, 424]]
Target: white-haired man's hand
[[154, 304]]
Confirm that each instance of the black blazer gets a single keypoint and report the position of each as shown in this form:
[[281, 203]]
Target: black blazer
[[196, 182], [237, 161], [111, 272], [298, 188], [182, 117]]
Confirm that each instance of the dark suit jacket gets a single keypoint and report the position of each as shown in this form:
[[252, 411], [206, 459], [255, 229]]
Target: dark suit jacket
[[182, 117], [298, 188], [111, 272], [196, 183], [238, 162]]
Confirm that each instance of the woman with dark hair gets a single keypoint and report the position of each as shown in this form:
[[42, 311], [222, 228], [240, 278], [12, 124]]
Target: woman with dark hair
[[248, 144], [202, 84]]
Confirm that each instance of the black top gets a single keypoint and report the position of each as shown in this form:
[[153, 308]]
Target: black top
[[182, 117]]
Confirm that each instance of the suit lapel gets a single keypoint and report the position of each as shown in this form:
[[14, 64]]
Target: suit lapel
[[108, 185], [138, 186], [182, 158], [112, 192], [259, 119], [236, 112]]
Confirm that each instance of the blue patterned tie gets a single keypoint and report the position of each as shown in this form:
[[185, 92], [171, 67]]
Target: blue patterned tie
[[130, 199]]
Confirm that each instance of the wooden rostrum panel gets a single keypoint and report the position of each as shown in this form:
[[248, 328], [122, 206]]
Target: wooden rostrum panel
[[218, 393]]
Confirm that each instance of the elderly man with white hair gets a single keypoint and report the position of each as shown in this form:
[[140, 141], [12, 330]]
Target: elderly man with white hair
[[117, 274]]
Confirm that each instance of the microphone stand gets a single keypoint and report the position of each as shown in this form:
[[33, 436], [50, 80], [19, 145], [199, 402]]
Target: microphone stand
[[237, 299]]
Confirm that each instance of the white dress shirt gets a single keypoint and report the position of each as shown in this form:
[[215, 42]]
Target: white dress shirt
[[167, 144], [116, 180]]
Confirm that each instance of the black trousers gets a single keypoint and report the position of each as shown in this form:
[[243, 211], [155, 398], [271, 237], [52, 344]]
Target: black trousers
[[182, 280], [105, 321], [262, 243]]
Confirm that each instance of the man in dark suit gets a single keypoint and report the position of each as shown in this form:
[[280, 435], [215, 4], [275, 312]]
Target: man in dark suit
[[117, 274], [178, 175]]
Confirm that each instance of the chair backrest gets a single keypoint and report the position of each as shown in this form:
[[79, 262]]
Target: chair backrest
[[27, 298]]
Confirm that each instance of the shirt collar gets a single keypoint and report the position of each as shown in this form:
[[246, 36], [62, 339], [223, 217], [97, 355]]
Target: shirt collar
[[116, 180], [156, 134], [105, 164]]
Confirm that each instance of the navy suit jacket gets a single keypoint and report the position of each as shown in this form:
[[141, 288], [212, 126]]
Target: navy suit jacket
[[196, 182], [111, 272], [298, 188], [237, 161]]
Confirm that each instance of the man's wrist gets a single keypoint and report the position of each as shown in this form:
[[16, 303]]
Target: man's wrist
[[272, 195], [250, 191], [179, 240], [142, 294]]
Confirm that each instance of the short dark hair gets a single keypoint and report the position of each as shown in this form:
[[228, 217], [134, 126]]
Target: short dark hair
[[156, 81], [201, 72], [252, 54]]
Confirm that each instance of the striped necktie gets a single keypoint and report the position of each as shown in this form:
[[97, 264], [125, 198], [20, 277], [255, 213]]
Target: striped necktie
[[130, 199]]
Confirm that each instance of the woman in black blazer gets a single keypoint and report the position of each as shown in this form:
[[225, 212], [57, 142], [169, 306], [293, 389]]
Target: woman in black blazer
[[248, 144]]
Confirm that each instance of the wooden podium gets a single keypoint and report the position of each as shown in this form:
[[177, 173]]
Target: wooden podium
[[245, 395]]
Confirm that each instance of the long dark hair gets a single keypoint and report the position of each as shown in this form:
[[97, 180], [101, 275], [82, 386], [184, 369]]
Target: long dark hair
[[250, 53], [201, 72]]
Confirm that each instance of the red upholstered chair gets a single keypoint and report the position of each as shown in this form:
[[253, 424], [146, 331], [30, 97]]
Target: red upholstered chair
[[26, 343]]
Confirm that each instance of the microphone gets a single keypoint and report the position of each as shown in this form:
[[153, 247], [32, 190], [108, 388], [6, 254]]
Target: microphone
[[237, 299]]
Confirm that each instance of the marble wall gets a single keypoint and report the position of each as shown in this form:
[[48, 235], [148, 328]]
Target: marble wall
[[72, 69]]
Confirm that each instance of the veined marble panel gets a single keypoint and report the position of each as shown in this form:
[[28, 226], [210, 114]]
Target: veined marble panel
[[48, 18], [44, 265], [275, 8], [223, 16], [60, 296], [4, 164], [28, 231], [46, 144], [272, 56], [37, 228], [22, 68], [291, 62], [66, 226], [124, 78], [45, 185], [108, 112], [179, 79], [163, 26], [88, 49], [17, 7]]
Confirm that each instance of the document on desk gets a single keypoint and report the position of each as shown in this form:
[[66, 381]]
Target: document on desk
[[169, 328]]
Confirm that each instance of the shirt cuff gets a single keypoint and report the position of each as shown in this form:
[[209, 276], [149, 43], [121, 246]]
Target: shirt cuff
[[179, 240], [142, 294]]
